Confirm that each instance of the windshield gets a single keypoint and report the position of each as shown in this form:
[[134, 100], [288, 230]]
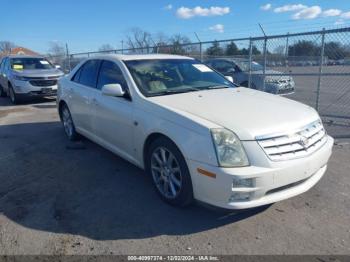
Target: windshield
[[244, 66], [24, 63], [168, 76]]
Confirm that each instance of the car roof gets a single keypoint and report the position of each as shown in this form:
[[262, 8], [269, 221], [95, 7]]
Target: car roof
[[230, 59], [139, 57]]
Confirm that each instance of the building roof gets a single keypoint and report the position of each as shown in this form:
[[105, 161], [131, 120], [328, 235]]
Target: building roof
[[20, 51]]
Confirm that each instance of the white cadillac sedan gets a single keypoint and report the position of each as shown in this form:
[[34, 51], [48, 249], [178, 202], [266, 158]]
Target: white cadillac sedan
[[195, 133]]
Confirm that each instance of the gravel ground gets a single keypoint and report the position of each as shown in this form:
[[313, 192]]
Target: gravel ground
[[58, 197]]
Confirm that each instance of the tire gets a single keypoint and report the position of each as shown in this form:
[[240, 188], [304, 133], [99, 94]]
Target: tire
[[2, 92], [169, 172], [13, 96], [68, 124]]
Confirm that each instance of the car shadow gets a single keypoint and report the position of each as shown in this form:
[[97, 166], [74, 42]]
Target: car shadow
[[53, 185], [5, 101]]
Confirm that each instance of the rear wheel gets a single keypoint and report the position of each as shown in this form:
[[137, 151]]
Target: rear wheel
[[68, 124], [169, 172]]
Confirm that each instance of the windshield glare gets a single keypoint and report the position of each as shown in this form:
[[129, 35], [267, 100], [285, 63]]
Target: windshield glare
[[165, 76], [25, 63]]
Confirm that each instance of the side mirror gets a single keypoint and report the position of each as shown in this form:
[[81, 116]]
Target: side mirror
[[57, 66], [113, 90], [229, 78]]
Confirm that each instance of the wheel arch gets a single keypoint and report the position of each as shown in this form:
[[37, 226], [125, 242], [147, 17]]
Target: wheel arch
[[150, 139], [60, 106]]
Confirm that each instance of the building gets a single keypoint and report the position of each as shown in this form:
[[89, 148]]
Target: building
[[20, 51]]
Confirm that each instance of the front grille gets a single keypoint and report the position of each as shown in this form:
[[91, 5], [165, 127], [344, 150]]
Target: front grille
[[296, 144], [43, 82]]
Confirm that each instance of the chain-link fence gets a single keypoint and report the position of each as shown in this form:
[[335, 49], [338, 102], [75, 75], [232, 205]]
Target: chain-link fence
[[312, 67]]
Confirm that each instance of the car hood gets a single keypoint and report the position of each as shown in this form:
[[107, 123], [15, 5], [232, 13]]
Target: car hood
[[39, 72], [248, 113]]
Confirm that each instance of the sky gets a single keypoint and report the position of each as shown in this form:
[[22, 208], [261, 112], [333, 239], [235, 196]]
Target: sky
[[86, 25]]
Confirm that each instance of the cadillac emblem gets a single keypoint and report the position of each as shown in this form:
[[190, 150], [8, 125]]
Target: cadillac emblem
[[304, 141]]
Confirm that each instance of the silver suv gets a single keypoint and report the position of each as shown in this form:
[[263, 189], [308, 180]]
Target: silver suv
[[275, 83], [27, 76]]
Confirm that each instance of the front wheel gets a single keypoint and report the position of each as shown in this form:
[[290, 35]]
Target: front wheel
[[13, 96], [2, 92], [169, 172]]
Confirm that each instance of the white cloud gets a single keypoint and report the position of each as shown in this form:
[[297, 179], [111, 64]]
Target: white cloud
[[308, 13], [266, 7], [331, 12], [289, 8], [219, 28], [345, 15], [187, 13], [168, 7]]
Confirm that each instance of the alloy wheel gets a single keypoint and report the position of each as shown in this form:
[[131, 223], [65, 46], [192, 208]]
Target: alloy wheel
[[67, 122], [166, 172]]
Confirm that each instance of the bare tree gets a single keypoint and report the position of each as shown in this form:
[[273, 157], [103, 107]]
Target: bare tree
[[139, 40], [180, 44], [106, 47], [6, 46], [57, 49]]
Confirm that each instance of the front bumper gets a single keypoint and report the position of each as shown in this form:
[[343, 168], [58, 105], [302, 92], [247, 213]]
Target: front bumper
[[272, 181], [25, 88], [280, 88]]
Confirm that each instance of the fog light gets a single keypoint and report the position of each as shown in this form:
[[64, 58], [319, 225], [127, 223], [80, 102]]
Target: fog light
[[239, 182], [240, 196]]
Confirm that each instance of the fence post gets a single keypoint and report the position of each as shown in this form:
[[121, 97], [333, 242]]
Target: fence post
[[250, 61], [320, 70], [265, 57], [287, 50]]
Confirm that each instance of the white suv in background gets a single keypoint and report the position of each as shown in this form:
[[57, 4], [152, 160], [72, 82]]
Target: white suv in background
[[197, 135], [27, 77]]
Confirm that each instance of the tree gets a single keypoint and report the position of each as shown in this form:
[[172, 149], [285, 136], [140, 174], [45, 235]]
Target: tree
[[232, 49], [139, 40], [335, 50], [179, 44], [57, 49], [106, 47], [6, 46], [215, 49], [304, 48]]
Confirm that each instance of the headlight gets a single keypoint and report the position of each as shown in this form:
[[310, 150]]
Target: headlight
[[21, 78], [229, 149]]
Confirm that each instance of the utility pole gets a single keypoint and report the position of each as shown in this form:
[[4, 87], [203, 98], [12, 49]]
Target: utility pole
[[68, 57], [200, 47], [122, 46]]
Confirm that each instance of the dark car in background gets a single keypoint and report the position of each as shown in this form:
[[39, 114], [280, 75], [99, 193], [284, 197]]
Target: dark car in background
[[238, 69]]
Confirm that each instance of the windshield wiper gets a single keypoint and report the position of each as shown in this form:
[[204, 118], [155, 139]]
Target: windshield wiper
[[175, 91], [217, 87]]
